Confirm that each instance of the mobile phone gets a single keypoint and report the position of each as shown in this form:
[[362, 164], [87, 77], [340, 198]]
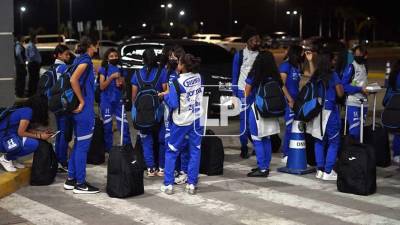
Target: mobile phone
[[55, 134]]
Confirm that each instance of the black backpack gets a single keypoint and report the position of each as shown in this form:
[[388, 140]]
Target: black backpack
[[62, 98], [44, 166], [47, 81], [270, 100], [212, 155], [96, 154], [390, 115], [307, 105], [147, 111]]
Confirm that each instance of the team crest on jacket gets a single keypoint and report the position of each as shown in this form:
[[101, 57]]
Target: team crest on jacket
[[191, 81]]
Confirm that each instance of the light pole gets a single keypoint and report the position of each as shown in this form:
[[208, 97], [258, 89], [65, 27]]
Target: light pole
[[295, 13], [166, 7], [58, 17], [181, 14], [22, 10]]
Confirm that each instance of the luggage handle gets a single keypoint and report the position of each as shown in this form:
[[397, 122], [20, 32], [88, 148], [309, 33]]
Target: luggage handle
[[122, 124], [345, 120], [362, 121], [374, 113]]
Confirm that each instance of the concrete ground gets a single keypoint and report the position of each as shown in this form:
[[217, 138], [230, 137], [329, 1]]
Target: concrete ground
[[228, 199]]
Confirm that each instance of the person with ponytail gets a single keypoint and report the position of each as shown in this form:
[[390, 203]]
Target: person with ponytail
[[82, 83], [184, 98], [111, 86], [148, 74]]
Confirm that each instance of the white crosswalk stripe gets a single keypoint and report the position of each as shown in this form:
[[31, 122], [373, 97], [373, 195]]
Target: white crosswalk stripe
[[35, 212], [218, 205], [209, 205]]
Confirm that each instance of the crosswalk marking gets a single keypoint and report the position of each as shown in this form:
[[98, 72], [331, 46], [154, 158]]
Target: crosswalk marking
[[210, 205], [36, 212], [377, 199]]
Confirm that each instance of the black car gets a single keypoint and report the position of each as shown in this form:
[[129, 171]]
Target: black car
[[215, 68]]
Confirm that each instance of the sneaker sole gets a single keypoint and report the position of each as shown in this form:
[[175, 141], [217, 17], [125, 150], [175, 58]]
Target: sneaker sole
[[75, 191], [4, 168], [68, 187]]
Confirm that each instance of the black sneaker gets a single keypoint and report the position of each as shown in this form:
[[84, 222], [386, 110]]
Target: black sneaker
[[254, 169], [85, 188], [69, 184], [244, 153], [258, 173]]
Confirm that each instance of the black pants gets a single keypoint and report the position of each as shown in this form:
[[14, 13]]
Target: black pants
[[20, 80], [33, 69]]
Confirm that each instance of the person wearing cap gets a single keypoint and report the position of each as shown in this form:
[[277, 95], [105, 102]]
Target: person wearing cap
[[242, 64]]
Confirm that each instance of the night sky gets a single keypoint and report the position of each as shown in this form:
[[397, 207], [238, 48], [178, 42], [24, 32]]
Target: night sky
[[126, 16]]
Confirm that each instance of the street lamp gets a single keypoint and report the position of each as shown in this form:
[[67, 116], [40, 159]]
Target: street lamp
[[166, 7], [144, 25], [171, 24], [235, 22], [22, 10], [201, 23], [181, 13], [295, 12]]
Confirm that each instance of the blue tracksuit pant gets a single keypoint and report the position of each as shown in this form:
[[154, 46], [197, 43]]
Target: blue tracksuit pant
[[176, 145], [244, 128], [289, 117], [83, 129], [108, 110], [396, 145], [331, 142], [64, 125], [353, 120], [262, 145], [29, 145]]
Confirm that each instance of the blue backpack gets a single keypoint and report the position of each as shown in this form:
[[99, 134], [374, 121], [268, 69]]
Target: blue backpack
[[307, 105], [47, 81], [270, 100], [62, 98], [10, 143], [147, 111]]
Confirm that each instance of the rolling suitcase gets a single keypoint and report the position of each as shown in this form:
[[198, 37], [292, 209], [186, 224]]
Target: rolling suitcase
[[356, 167], [377, 136], [124, 170]]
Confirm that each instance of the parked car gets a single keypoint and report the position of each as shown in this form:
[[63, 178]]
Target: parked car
[[71, 43], [215, 66], [279, 40], [47, 40], [209, 38], [104, 45], [233, 44]]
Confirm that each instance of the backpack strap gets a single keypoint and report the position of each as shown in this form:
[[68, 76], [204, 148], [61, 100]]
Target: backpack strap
[[157, 77], [139, 78]]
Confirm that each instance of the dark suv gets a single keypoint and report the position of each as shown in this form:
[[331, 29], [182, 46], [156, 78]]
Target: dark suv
[[215, 68]]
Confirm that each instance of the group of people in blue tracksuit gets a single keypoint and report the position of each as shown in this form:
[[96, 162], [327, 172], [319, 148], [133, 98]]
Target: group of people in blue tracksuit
[[251, 68]]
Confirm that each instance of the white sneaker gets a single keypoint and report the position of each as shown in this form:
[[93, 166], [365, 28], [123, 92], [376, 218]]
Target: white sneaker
[[151, 172], [181, 178], [18, 165], [191, 189], [160, 172], [7, 164], [396, 159], [319, 174], [330, 176], [169, 190], [284, 160]]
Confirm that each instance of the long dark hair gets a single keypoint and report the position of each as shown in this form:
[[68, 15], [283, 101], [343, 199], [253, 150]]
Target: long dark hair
[[394, 73], [191, 63], [264, 66], [294, 55], [39, 106], [164, 56], [323, 67], [106, 54], [341, 61], [150, 58], [85, 43]]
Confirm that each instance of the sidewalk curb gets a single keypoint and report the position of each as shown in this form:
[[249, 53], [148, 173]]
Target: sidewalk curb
[[11, 182]]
